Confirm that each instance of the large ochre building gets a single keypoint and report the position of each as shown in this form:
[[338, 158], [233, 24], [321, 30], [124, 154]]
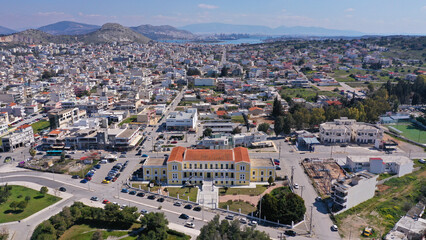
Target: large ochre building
[[226, 167]]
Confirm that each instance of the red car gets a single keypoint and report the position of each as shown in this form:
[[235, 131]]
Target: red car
[[174, 142], [88, 178], [105, 201]]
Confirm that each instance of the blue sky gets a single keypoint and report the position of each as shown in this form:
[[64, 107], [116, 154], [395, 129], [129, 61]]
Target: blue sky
[[369, 16]]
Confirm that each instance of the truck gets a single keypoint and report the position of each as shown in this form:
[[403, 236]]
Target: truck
[[367, 232]]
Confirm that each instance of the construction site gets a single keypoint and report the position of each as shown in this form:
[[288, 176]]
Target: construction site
[[323, 172]]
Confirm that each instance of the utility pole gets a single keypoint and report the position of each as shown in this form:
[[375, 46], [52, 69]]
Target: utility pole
[[279, 152], [310, 225], [301, 191], [292, 174]]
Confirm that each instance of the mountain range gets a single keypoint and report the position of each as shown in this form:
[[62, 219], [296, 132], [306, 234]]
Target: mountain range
[[6, 31], [109, 32], [68, 28], [214, 28]]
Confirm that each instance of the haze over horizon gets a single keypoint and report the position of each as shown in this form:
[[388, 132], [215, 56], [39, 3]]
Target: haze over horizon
[[370, 17]]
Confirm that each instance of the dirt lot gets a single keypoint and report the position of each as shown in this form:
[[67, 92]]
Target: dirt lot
[[322, 172]]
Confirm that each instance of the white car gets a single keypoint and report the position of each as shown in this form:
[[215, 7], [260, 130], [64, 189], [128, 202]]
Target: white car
[[334, 228], [252, 223], [296, 186], [189, 224], [243, 221]]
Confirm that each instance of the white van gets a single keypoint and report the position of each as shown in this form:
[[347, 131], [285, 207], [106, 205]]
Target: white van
[[104, 161]]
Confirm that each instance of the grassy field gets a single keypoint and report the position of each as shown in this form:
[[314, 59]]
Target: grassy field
[[306, 93], [40, 125], [35, 204], [183, 193], [412, 132], [245, 207], [237, 119], [145, 187], [244, 191], [392, 200], [128, 120], [85, 232]]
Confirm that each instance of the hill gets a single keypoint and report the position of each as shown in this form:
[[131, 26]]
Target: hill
[[109, 32], [113, 32], [162, 32], [214, 28], [6, 31], [68, 28]]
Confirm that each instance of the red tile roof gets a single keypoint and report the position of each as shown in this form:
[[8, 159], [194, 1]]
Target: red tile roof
[[180, 154]]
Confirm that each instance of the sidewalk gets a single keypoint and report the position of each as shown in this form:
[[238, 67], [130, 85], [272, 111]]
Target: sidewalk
[[208, 195]]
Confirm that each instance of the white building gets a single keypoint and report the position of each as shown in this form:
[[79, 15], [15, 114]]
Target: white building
[[346, 130], [182, 120], [399, 165], [350, 192], [23, 135]]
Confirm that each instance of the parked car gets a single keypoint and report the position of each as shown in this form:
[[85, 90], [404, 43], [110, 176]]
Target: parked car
[[290, 233], [188, 206], [132, 192], [152, 197], [243, 221], [94, 199], [230, 217], [177, 204], [105, 201], [318, 199], [124, 190], [252, 223], [105, 181], [334, 228], [197, 208], [296, 186], [75, 177], [160, 200], [183, 216], [140, 194], [62, 189], [97, 166], [278, 168], [143, 211], [83, 181]]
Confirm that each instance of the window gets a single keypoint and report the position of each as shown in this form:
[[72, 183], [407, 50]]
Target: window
[[205, 166], [201, 166], [270, 173], [155, 172], [232, 166], [242, 168], [216, 165], [221, 166], [242, 176], [226, 166], [147, 172], [195, 166], [184, 166], [174, 167], [190, 166], [254, 172], [164, 172], [261, 173]]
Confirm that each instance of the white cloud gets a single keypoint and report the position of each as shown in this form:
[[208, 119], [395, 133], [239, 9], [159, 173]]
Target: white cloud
[[349, 9], [207, 6], [49, 14]]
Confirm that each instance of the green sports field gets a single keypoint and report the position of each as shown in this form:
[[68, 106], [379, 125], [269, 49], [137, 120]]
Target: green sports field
[[412, 132]]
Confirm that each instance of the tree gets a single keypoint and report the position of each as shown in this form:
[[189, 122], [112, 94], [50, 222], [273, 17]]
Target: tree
[[193, 71], [62, 156], [264, 127], [224, 72], [246, 121], [282, 205], [224, 229], [32, 152], [155, 226], [97, 235], [27, 198], [44, 190], [207, 132], [13, 205], [22, 205], [277, 108], [270, 180], [236, 130], [278, 125]]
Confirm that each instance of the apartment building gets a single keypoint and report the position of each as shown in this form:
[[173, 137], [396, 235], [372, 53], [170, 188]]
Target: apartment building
[[19, 138], [346, 130], [60, 118], [223, 167], [146, 116], [348, 193], [399, 165], [182, 120]]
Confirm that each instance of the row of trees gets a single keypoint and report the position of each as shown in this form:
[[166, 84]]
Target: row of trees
[[224, 229], [366, 110], [109, 217], [405, 91]]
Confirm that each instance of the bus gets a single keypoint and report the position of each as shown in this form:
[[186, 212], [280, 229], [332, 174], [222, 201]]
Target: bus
[[54, 152]]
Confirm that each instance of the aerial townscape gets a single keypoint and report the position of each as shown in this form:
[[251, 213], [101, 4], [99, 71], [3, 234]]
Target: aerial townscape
[[210, 131]]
